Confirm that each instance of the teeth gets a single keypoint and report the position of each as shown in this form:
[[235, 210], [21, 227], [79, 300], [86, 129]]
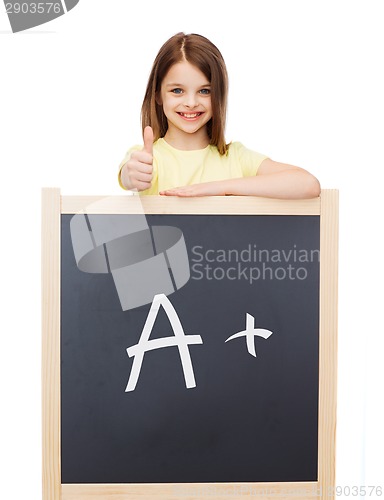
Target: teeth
[[190, 115]]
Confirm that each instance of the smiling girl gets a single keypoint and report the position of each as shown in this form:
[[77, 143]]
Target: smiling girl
[[183, 120]]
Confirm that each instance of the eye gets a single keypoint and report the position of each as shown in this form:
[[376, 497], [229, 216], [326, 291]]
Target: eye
[[205, 91], [177, 91]]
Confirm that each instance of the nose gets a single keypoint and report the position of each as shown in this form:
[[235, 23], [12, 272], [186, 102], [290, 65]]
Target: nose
[[190, 100]]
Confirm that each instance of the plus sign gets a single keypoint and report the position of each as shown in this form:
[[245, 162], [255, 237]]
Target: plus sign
[[249, 333]]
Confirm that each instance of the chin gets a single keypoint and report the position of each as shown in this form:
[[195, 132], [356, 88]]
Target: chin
[[192, 129]]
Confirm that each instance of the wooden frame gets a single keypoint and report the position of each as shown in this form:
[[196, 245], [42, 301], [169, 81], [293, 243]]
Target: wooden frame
[[53, 205]]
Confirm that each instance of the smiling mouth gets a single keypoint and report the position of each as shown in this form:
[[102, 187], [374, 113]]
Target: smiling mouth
[[190, 116]]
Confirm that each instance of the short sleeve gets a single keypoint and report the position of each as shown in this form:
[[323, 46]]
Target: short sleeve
[[249, 160]]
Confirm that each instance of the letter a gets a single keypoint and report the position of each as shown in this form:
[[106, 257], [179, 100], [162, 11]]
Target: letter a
[[179, 339]]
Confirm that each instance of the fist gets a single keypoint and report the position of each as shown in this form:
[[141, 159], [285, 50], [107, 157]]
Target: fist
[[137, 172]]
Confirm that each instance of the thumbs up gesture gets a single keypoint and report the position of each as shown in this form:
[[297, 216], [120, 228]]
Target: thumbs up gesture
[[137, 172]]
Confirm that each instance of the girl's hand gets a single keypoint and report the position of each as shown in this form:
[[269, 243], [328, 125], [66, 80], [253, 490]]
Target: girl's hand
[[215, 188], [137, 172]]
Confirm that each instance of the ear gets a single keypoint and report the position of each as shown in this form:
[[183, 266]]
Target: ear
[[158, 99]]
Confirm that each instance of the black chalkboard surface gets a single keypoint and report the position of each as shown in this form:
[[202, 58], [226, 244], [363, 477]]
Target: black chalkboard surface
[[248, 418]]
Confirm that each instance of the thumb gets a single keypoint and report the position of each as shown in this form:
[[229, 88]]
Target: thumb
[[148, 140]]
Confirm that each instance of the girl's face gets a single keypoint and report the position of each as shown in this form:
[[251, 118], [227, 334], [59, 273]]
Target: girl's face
[[185, 95]]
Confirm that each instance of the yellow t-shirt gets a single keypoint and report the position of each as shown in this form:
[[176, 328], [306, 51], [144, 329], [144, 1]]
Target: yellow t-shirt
[[174, 168]]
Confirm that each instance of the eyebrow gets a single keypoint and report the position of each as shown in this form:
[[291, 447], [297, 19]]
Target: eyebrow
[[182, 85]]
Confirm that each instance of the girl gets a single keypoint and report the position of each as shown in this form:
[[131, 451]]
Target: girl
[[183, 120]]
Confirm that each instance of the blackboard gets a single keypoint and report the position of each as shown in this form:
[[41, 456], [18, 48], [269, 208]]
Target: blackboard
[[252, 414]]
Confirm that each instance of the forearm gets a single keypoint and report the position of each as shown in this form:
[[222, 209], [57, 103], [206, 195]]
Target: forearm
[[289, 184]]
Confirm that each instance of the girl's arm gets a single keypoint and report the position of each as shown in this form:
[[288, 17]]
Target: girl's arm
[[273, 180]]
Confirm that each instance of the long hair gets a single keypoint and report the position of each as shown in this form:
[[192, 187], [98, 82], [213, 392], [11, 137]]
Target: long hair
[[203, 54]]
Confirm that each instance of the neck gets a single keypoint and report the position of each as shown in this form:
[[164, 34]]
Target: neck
[[187, 142]]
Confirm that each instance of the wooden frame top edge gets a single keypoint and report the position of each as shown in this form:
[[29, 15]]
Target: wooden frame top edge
[[225, 205]]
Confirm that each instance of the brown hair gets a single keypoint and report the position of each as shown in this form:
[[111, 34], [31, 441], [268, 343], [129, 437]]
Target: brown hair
[[203, 54]]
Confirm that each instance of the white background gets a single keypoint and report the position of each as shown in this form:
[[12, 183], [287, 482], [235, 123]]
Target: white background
[[306, 87]]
